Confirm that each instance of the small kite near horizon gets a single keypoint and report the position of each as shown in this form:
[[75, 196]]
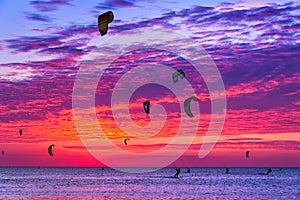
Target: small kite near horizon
[[50, 149], [247, 154], [103, 21], [125, 141]]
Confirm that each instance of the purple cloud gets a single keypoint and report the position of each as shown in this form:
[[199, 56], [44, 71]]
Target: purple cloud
[[46, 92], [114, 4], [66, 50], [29, 43], [37, 17], [76, 30], [276, 144], [50, 5], [256, 51]]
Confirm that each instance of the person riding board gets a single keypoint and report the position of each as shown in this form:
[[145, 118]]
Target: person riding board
[[177, 172], [269, 171]]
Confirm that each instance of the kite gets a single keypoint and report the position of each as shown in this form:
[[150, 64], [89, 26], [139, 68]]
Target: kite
[[247, 154], [187, 103], [179, 73], [147, 106], [50, 149], [20, 131], [103, 21], [125, 141]]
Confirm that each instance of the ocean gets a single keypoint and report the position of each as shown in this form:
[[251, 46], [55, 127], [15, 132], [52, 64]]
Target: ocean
[[200, 183]]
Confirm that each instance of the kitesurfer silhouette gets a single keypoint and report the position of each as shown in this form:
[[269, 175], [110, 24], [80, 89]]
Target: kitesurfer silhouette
[[269, 171], [227, 170], [177, 172]]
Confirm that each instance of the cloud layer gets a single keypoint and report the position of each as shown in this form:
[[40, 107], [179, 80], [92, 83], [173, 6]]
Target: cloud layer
[[255, 49]]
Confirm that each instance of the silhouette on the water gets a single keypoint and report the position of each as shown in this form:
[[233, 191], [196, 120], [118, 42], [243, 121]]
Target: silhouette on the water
[[177, 172], [21, 131], [266, 174], [247, 154], [280, 169], [2, 152], [189, 170], [227, 170]]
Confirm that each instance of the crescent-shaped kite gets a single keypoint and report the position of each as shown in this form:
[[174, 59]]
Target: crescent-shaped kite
[[103, 21], [50, 149], [187, 107], [125, 141], [247, 154]]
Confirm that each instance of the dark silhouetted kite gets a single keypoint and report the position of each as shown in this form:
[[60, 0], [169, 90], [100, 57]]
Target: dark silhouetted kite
[[125, 141], [187, 103], [179, 73], [50, 149], [103, 21], [247, 154], [147, 106]]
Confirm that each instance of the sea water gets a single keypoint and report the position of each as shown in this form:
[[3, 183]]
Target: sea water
[[200, 183]]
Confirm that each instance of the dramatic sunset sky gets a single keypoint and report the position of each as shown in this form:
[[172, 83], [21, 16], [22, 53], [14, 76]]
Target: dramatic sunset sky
[[254, 44]]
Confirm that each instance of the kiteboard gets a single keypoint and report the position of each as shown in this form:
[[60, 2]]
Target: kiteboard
[[171, 177]]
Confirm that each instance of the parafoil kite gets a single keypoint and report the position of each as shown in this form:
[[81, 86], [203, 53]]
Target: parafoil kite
[[125, 141], [247, 154], [187, 103], [103, 21], [179, 73], [50, 149], [147, 106]]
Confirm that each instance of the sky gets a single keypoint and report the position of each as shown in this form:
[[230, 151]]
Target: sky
[[253, 46]]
